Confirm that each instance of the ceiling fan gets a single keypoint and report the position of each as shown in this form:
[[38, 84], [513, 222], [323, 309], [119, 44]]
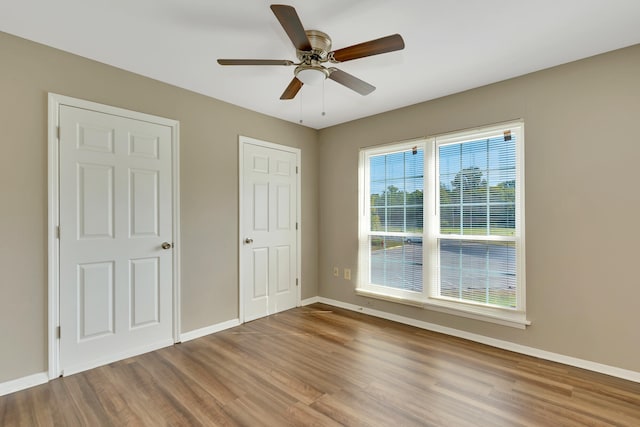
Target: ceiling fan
[[313, 49]]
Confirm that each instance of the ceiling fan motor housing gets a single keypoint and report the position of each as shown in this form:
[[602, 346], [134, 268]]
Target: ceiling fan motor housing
[[310, 71], [320, 47]]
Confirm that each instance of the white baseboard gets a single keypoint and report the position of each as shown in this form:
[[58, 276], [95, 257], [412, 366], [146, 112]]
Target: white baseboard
[[41, 378], [310, 301], [208, 330], [505, 345], [23, 383]]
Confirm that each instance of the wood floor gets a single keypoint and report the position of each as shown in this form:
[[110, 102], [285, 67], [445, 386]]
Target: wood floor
[[323, 366]]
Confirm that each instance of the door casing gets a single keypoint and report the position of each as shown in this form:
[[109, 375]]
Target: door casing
[[53, 273], [242, 140]]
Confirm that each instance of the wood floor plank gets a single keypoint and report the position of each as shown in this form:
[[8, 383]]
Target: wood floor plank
[[184, 392], [323, 366], [181, 357], [87, 405]]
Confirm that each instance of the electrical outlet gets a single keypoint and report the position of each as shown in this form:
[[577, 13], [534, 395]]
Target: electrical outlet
[[347, 273], [336, 271]]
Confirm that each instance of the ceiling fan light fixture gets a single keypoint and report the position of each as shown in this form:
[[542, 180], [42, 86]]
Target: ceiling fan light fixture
[[310, 75]]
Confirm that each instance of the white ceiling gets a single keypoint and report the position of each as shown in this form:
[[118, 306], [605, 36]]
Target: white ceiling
[[451, 45]]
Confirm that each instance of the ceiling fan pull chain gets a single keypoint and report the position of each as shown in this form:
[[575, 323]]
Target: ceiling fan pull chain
[[323, 110], [300, 98]]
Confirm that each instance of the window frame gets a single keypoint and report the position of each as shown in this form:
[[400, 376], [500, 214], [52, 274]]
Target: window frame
[[429, 298]]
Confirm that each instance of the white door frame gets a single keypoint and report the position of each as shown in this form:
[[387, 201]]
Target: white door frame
[[242, 140], [55, 102]]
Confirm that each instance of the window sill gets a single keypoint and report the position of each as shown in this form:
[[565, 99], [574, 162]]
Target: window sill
[[498, 316], [387, 297]]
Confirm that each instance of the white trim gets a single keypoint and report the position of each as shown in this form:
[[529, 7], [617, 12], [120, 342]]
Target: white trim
[[521, 259], [496, 315], [177, 247], [53, 247], [309, 301], [208, 330], [242, 140], [500, 316], [389, 296], [55, 101], [23, 383], [470, 134], [493, 342], [42, 378], [240, 227]]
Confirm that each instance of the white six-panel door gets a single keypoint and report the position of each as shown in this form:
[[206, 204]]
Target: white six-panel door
[[269, 247], [115, 202]]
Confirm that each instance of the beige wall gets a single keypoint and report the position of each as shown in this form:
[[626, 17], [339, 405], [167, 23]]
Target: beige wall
[[209, 170], [582, 159], [581, 202]]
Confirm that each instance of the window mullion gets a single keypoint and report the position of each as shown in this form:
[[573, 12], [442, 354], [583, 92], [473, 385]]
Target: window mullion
[[488, 190], [461, 197], [486, 276]]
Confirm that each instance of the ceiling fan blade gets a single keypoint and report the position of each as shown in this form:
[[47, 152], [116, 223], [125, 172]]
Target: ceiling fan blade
[[372, 47], [254, 62], [352, 82], [292, 90], [292, 26]]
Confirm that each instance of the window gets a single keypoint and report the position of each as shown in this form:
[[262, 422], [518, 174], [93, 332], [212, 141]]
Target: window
[[394, 224], [441, 223]]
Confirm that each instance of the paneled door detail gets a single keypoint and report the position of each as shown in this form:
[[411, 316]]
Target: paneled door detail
[[116, 286], [269, 245]]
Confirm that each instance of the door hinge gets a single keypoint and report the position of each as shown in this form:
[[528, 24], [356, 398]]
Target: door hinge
[[296, 169], [58, 132], [58, 334], [296, 282], [296, 225], [57, 232]]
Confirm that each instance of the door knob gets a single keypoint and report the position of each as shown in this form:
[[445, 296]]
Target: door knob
[[166, 245], [248, 240]]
